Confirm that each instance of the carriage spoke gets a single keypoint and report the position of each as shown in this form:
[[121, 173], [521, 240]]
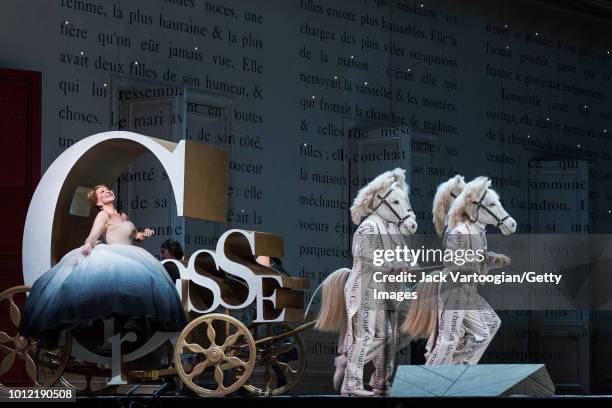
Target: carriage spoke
[[267, 389], [267, 380], [198, 369], [14, 313], [211, 334], [5, 338], [287, 369], [50, 358], [267, 376], [51, 363], [219, 378], [194, 348], [7, 362], [6, 350], [31, 369], [88, 381], [235, 362], [285, 348], [231, 340]]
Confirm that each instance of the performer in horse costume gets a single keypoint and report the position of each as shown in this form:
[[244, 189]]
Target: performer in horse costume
[[457, 321], [368, 329], [443, 199], [445, 196]]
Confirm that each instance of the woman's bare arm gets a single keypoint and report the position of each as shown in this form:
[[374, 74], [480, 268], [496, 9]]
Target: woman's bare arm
[[98, 228], [140, 236], [146, 233]]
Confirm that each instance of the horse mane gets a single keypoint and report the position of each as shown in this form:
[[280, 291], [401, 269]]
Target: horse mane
[[363, 202], [462, 206], [443, 200]]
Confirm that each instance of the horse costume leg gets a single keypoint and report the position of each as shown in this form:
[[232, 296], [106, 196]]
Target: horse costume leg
[[339, 364], [481, 326], [450, 334], [372, 335], [448, 337], [374, 340], [363, 334], [376, 353], [384, 357]]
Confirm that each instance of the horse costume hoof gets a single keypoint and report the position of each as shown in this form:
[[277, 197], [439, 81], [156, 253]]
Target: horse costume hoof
[[340, 364], [357, 393], [380, 393]]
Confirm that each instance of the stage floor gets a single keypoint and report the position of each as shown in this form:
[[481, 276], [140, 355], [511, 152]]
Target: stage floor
[[312, 401]]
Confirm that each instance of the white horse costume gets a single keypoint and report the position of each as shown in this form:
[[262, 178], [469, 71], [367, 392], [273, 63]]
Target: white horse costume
[[458, 322], [368, 327], [443, 199]]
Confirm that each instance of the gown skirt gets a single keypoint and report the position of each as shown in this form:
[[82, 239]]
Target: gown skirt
[[116, 280]]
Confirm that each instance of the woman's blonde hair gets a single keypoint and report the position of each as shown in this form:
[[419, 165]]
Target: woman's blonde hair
[[93, 197]]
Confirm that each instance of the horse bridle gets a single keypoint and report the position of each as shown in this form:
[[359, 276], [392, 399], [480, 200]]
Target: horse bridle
[[383, 200], [480, 205]]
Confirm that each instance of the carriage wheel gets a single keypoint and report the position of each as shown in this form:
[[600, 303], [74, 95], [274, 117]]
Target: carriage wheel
[[210, 345], [280, 363], [88, 379], [91, 379], [43, 365]]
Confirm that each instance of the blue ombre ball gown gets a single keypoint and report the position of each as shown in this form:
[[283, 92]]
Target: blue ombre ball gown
[[116, 279]]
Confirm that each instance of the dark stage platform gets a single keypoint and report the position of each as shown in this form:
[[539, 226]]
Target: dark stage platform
[[323, 401]]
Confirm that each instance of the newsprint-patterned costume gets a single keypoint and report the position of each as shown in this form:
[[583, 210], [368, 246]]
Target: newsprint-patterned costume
[[372, 333], [466, 322]]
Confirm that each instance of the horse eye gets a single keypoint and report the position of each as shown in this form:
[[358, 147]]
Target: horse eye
[[396, 202]]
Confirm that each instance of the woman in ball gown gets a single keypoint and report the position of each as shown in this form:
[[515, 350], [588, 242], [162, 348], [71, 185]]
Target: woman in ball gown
[[113, 278]]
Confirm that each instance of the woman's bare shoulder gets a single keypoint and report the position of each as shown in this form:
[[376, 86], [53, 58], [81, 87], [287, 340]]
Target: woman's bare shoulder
[[102, 216]]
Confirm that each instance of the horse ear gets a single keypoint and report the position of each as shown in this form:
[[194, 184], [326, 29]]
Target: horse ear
[[470, 196], [457, 210], [460, 182], [361, 206], [474, 195], [399, 174], [441, 206]]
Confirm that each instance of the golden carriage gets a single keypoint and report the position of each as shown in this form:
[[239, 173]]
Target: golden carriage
[[262, 358], [216, 353]]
